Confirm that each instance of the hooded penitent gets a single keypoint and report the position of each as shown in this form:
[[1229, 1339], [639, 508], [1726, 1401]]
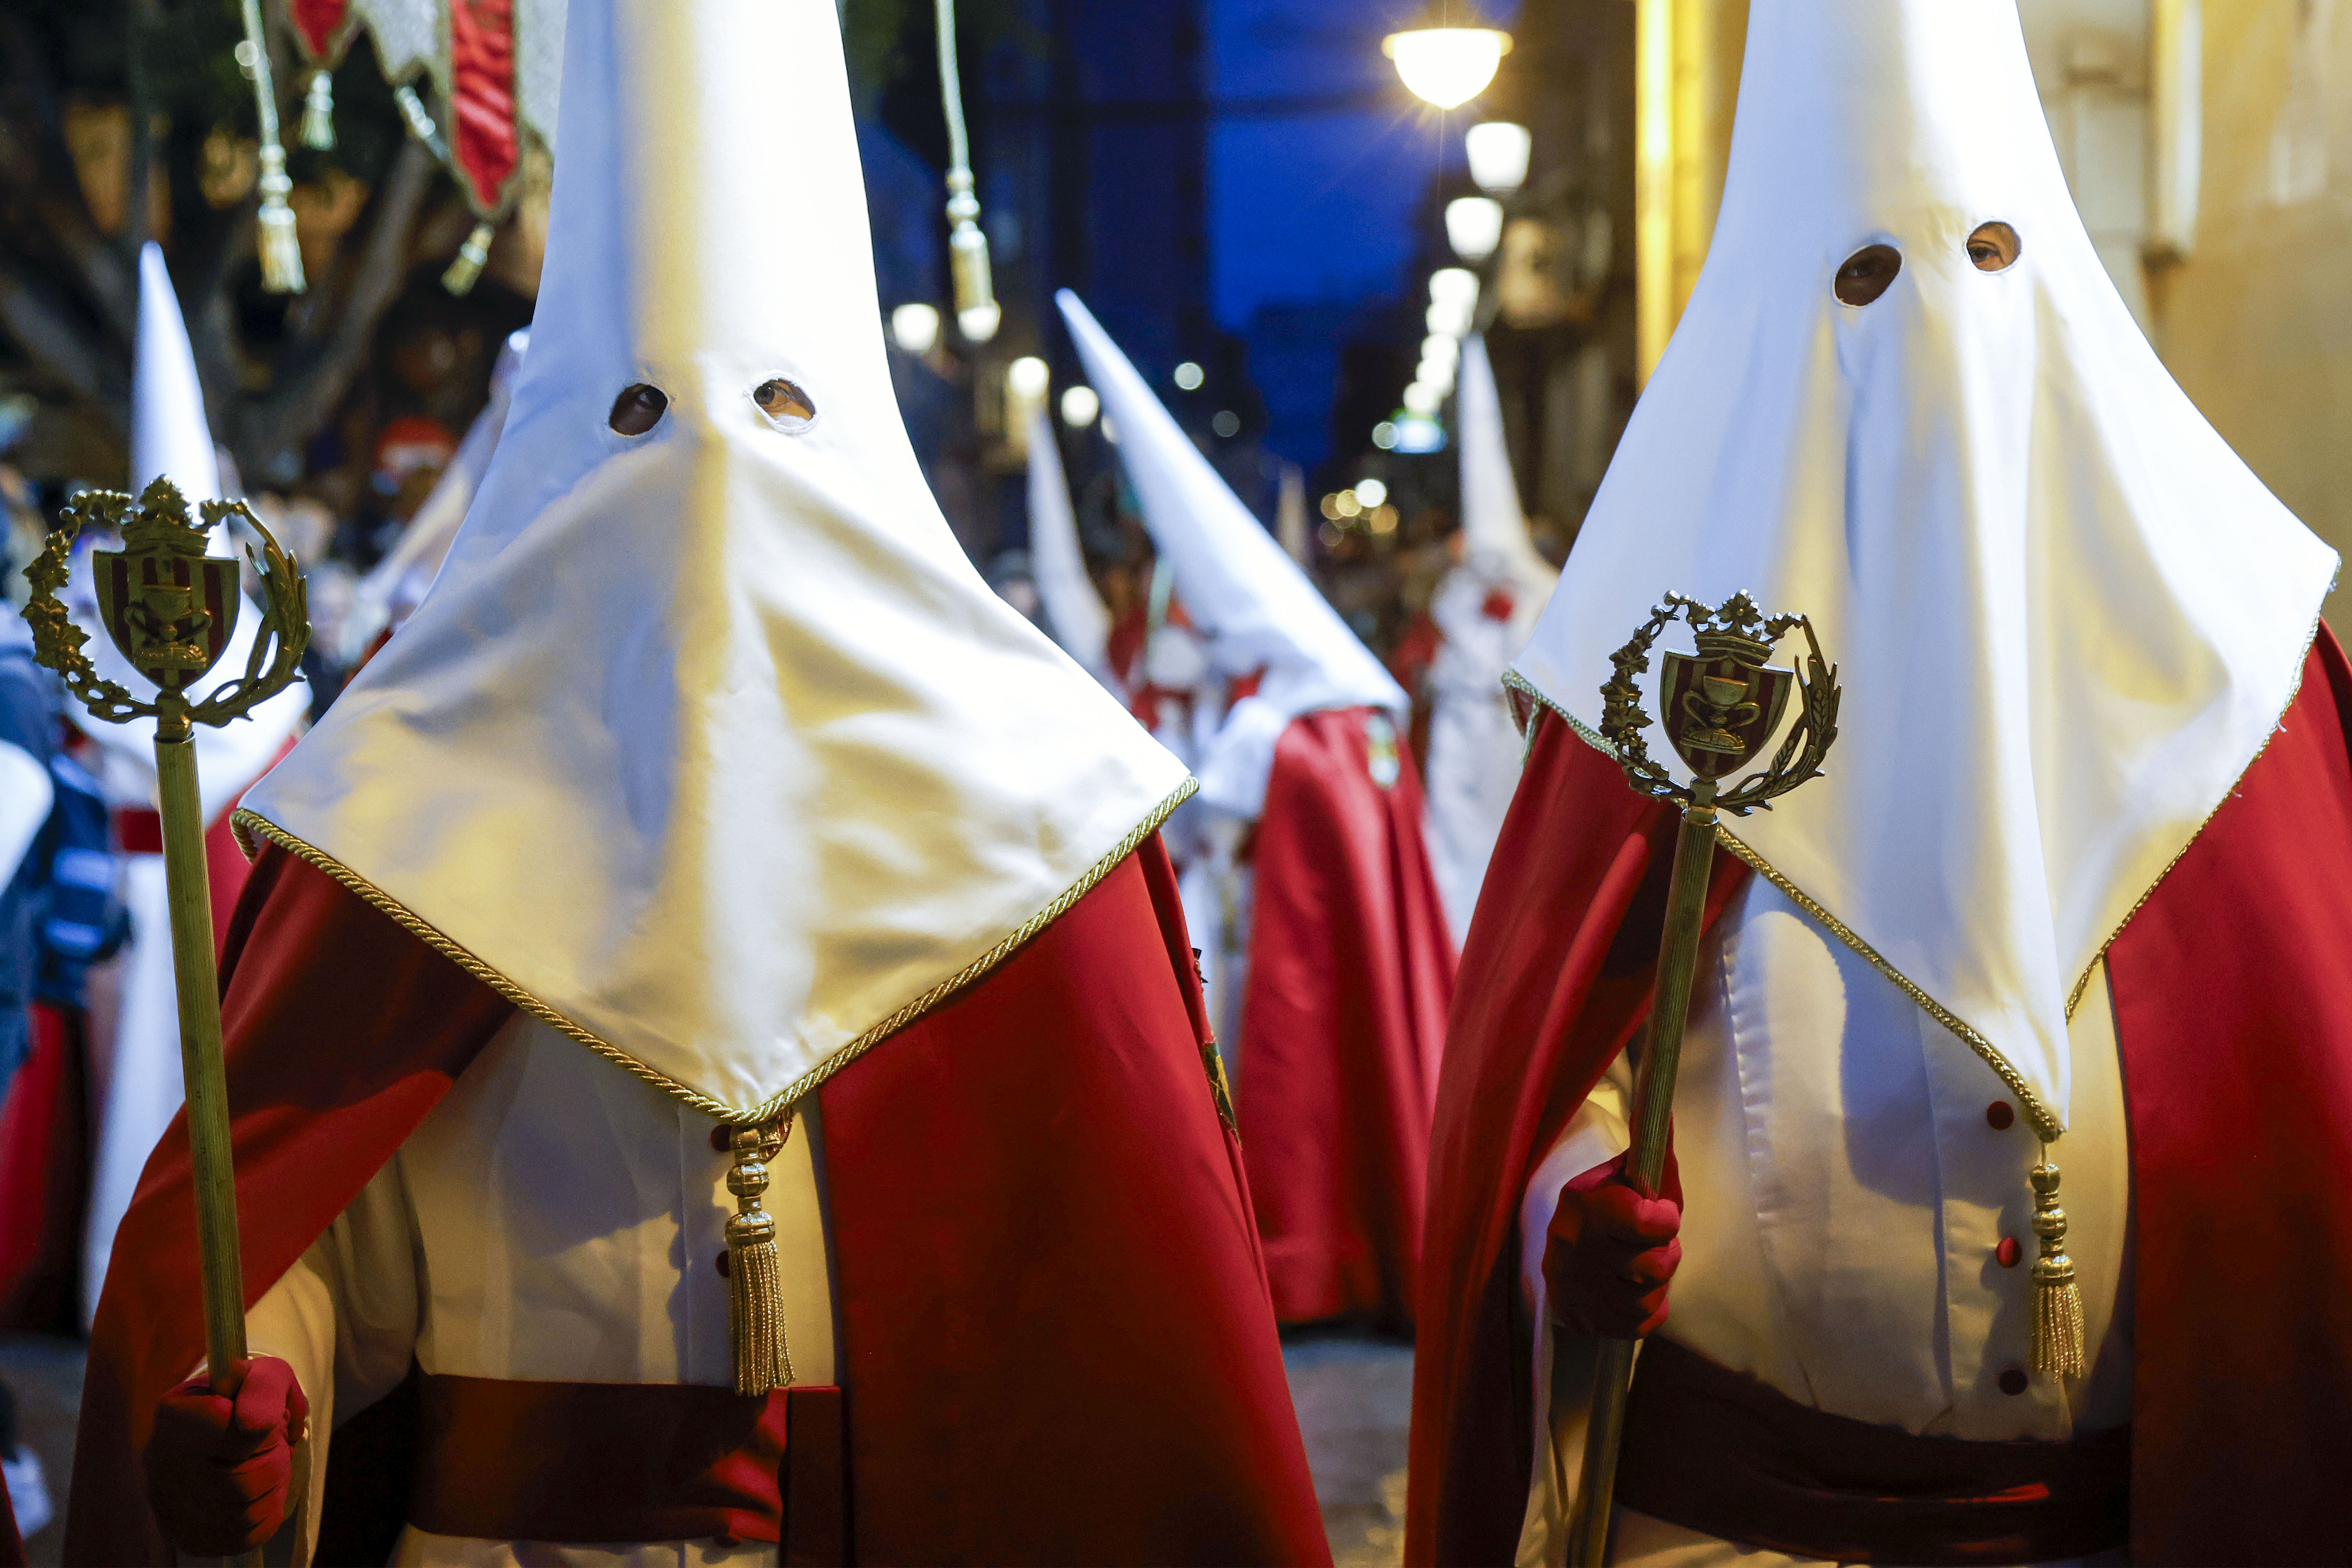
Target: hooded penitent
[[2067, 621], [393, 589], [136, 1084], [612, 755], [1348, 966], [710, 790], [1485, 607], [1074, 612]]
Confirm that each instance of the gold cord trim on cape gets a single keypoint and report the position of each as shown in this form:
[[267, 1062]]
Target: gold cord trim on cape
[[248, 824], [2302, 663]]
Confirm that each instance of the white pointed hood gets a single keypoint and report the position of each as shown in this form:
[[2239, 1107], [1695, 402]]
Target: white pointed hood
[[398, 583], [1074, 613], [2066, 617], [171, 439], [1248, 600], [709, 745], [1496, 548]]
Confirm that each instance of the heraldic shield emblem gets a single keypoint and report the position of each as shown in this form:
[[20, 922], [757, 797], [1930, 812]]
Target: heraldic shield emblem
[[1721, 704], [168, 606]]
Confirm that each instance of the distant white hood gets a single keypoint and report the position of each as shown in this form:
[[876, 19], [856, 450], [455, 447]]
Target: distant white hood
[[1250, 601]]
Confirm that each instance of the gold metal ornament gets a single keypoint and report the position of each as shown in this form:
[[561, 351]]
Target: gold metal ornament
[[1720, 706], [171, 609], [2058, 1337], [755, 1298]]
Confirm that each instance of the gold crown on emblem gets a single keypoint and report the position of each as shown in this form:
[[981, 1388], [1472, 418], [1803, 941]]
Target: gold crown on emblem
[[162, 524]]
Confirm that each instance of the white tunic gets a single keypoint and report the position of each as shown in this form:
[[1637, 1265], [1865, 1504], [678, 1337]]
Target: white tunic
[[1844, 1196], [552, 1219]]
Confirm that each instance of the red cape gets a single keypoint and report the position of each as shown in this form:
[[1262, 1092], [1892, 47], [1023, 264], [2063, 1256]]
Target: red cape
[[1055, 1336], [2233, 1012], [44, 1130], [1350, 970]]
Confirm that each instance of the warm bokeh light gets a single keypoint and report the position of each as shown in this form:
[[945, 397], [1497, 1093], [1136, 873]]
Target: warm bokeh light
[[1447, 67], [979, 323], [1079, 406], [1372, 492], [1026, 379], [1190, 376], [915, 328]]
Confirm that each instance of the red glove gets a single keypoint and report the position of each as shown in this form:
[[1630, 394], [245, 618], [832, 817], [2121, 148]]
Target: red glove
[[1609, 1254], [220, 1466]]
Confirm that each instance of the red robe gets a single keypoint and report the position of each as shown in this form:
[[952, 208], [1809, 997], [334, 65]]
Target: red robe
[[45, 1121], [1054, 1338], [1350, 970], [2232, 997]]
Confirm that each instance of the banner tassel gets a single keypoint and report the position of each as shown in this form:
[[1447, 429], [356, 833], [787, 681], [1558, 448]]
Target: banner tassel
[[471, 256], [319, 112], [281, 251], [755, 1304], [2057, 1300]]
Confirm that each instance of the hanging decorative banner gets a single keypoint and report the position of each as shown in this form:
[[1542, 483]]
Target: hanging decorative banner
[[495, 67], [323, 31]]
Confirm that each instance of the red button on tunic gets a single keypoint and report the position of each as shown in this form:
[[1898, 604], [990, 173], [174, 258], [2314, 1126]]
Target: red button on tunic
[[2000, 1115], [2007, 1252]]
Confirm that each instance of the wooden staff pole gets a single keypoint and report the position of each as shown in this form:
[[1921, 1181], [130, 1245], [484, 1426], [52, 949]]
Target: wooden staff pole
[[189, 887], [1653, 1100]]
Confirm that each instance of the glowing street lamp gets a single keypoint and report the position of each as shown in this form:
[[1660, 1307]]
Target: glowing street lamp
[[1444, 64], [1499, 155], [1473, 226]]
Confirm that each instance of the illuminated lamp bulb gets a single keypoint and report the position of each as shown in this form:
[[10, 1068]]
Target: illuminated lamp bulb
[[1473, 226], [1079, 406], [1499, 155], [1447, 67], [1026, 378]]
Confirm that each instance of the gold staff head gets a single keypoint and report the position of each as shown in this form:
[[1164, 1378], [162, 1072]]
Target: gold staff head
[[170, 608], [1720, 705]]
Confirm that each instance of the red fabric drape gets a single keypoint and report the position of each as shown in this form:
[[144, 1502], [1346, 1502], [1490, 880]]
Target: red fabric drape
[[343, 1031], [45, 1178], [319, 26], [1555, 976], [2233, 990], [1343, 1019], [483, 140], [2234, 1008], [1055, 1341]]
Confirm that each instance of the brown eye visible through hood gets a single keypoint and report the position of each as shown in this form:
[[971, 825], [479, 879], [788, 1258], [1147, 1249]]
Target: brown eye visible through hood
[[1866, 274], [638, 409]]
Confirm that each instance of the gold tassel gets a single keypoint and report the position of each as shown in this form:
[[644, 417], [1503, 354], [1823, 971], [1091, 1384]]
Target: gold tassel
[[281, 253], [755, 1305], [471, 256], [319, 112], [2057, 1299], [281, 249]]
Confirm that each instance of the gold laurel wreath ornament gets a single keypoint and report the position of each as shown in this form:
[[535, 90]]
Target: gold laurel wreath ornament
[[1720, 707], [171, 609]]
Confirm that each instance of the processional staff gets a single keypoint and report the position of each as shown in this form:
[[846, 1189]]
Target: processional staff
[[172, 609], [1719, 707]]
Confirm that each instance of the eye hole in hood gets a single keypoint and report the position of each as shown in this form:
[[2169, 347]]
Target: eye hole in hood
[[784, 404], [1866, 274], [638, 409], [1994, 246]]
